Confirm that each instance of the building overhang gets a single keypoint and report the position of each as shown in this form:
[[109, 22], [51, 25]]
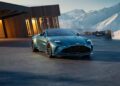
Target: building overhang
[[47, 10], [10, 10]]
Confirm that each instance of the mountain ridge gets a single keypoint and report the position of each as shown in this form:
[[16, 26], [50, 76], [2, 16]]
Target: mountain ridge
[[78, 18]]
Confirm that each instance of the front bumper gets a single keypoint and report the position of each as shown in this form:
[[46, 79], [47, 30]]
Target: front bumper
[[74, 54], [64, 50]]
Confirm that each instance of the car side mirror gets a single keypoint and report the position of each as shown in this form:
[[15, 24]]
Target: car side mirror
[[42, 35], [78, 34]]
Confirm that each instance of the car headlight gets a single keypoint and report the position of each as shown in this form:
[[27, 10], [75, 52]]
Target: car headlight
[[57, 41], [89, 42]]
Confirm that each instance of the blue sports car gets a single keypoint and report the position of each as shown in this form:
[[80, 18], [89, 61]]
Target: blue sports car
[[62, 42]]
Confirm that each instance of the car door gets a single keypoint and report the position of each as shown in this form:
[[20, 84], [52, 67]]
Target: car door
[[42, 41]]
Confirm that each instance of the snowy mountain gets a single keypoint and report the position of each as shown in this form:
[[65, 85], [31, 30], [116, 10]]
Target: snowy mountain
[[74, 14], [70, 19], [112, 22], [106, 18]]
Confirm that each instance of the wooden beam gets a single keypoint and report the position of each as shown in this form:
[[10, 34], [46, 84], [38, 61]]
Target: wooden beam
[[4, 28]]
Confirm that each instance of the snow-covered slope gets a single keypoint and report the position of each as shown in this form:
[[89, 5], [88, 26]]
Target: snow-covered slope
[[74, 14], [77, 13], [107, 24], [69, 19], [106, 18]]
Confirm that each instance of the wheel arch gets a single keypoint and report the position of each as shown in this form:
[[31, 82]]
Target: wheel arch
[[49, 44]]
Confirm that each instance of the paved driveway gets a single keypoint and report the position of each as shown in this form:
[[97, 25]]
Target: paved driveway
[[19, 66]]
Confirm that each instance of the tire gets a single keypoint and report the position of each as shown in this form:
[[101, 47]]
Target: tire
[[49, 52], [34, 49]]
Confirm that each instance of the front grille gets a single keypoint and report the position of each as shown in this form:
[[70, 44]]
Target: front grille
[[76, 49]]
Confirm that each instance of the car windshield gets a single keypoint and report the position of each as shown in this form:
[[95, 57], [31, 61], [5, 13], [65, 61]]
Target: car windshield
[[61, 32]]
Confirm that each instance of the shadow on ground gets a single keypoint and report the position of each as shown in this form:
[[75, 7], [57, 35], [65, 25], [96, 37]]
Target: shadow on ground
[[28, 79], [107, 56]]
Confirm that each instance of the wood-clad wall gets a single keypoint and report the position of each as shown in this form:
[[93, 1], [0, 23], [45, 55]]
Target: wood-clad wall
[[16, 27], [2, 35]]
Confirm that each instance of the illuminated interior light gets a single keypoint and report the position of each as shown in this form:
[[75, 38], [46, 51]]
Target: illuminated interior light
[[35, 26], [28, 27], [1, 30]]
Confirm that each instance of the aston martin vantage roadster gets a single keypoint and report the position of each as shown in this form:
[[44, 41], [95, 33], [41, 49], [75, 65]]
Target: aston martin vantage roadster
[[62, 42]]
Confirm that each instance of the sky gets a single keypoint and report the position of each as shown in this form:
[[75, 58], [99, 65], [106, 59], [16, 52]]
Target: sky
[[68, 5]]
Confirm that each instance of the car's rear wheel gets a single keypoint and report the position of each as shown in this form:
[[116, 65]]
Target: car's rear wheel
[[34, 49]]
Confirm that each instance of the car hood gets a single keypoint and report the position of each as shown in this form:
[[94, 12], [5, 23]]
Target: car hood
[[69, 40]]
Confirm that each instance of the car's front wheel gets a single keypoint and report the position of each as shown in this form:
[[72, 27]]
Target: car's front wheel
[[49, 51]]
